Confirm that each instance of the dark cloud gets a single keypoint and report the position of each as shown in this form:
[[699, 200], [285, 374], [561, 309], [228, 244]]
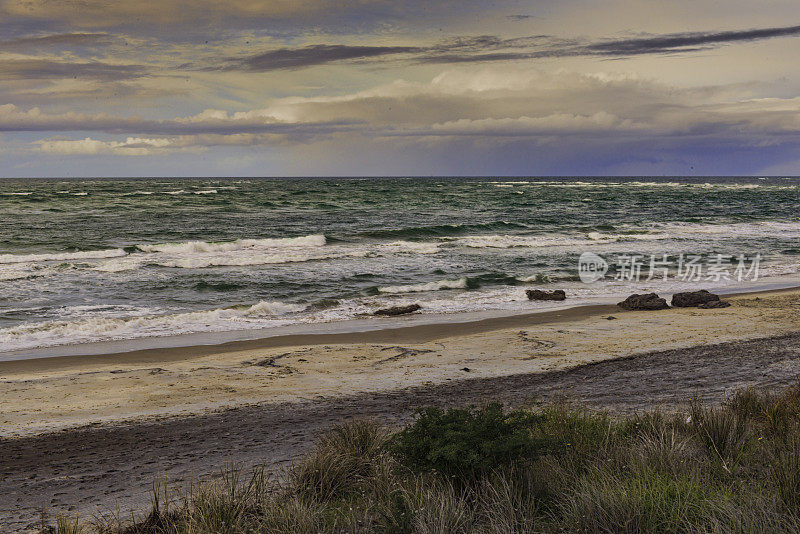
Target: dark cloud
[[59, 40], [202, 20], [679, 41], [14, 119], [289, 58], [492, 48], [27, 69]]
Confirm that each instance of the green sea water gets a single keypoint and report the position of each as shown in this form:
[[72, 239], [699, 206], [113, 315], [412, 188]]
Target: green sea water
[[91, 260]]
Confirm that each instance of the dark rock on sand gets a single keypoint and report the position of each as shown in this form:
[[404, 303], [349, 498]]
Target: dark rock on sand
[[713, 304], [538, 294], [647, 301], [693, 299], [399, 310]]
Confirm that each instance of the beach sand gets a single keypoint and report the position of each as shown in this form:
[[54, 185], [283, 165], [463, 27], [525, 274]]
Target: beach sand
[[264, 401], [54, 393]]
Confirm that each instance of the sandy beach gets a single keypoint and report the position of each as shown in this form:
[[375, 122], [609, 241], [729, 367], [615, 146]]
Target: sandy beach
[[89, 434], [55, 393]]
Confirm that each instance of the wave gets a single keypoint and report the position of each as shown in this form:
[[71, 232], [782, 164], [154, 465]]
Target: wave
[[248, 252], [528, 241], [102, 327], [415, 247], [315, 240], [220, 286], [244, 260], [62, 256], [461, 283], [443, 230], [16, 271], [628, 184], [139, 193], [759, 228]]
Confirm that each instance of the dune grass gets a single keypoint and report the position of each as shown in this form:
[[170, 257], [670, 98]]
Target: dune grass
[[733, 467]]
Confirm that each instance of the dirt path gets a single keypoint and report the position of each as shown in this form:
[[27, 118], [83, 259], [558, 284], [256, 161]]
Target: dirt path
[[113, 467]]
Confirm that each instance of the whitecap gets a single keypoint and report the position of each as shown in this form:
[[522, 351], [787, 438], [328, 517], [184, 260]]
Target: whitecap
[[314, 240], [62, 256], [101, 327], [461, 283], [415, 247]]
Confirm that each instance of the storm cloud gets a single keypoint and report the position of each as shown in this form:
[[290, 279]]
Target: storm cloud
[[288, 58], [493, 48], [27, 69], [58, 41], [677, 42], [406, 86]]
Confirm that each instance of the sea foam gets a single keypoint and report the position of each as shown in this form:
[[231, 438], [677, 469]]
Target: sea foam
[[461, 283], [100, 327], [62, 256]]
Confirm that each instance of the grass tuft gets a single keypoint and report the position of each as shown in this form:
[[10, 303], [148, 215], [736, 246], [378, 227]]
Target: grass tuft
[[733, 467]]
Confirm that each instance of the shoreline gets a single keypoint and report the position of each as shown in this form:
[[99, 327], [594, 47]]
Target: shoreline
[[427, 329], [53, 394]]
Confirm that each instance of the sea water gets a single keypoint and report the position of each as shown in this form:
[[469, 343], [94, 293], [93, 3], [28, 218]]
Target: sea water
[[85, 260]]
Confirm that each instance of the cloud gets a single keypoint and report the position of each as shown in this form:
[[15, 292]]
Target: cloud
[[171, 18], [132, 146], [677, 41], [287, 58], [557, 123], [488, 106], [59, 40], [14, 119], [489, 48], [660, 44], [27, 69]]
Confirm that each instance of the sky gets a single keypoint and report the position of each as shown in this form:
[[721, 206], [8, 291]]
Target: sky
[[399, 88]]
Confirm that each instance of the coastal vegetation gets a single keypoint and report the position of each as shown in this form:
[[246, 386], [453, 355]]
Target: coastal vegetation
[[732, 466]]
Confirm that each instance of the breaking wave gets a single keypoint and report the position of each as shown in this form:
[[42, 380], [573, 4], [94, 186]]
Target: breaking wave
[[315, 240], [461, 283], [102, 327], [62, 256], [443, 230]]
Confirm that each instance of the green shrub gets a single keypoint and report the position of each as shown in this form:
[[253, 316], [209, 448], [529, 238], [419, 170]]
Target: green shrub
[[464, 444]]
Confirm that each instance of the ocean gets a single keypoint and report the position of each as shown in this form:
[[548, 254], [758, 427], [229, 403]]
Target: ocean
[[85, 260]]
